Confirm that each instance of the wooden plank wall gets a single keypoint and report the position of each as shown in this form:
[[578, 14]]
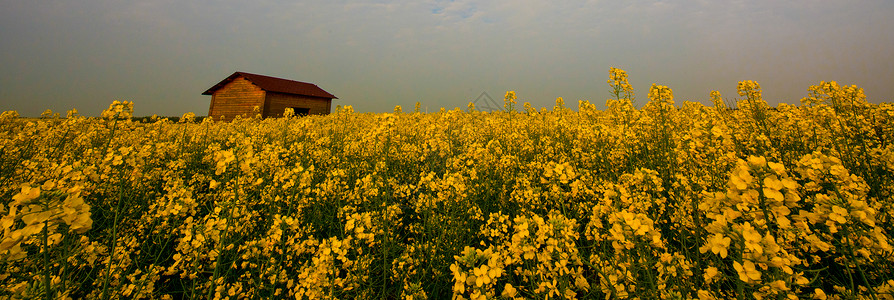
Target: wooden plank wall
[[277, 103], [239, 97]]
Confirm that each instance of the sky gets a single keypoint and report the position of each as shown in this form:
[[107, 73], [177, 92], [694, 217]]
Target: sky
[[373, 55]]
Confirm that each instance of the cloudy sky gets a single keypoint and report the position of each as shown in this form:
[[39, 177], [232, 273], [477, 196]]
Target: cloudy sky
[[377, 54]]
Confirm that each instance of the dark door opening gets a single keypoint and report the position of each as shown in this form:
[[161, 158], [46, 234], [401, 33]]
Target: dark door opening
[[300, 111]]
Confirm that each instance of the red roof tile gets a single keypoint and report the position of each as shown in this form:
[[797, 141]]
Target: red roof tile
[[278, 85]]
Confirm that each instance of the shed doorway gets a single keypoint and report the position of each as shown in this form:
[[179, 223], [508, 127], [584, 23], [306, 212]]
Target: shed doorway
[[299, 111]]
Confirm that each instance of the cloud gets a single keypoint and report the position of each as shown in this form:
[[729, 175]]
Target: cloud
[[375, 54]]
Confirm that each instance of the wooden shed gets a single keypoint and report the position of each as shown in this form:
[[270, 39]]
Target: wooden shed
[[241, 92]]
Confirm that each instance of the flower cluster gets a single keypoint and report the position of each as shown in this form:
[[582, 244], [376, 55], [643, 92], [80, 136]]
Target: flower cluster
[[619, 84], [118, 110], [672, 200], [42, 213]]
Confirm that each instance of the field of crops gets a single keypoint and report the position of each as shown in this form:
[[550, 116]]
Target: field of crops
[[669, 200]]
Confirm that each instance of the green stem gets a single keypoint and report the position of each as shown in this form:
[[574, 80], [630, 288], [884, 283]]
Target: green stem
[[219, 248], [154, 263], [852, 258], [112, 244], [850, 275], [740, 285], [46, 262], [111, 136], [651, 276]]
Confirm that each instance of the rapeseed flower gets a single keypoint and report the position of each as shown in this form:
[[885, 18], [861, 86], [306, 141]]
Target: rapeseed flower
[[747, 271], [545, 204]]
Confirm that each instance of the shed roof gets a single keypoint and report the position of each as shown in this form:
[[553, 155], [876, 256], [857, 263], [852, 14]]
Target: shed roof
[[273, 84]]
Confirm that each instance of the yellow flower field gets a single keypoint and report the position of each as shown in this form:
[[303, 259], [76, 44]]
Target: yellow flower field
[[669, 200]]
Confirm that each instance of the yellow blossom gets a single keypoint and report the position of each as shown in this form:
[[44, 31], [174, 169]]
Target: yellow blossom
[[747, 271], [509, 291]]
